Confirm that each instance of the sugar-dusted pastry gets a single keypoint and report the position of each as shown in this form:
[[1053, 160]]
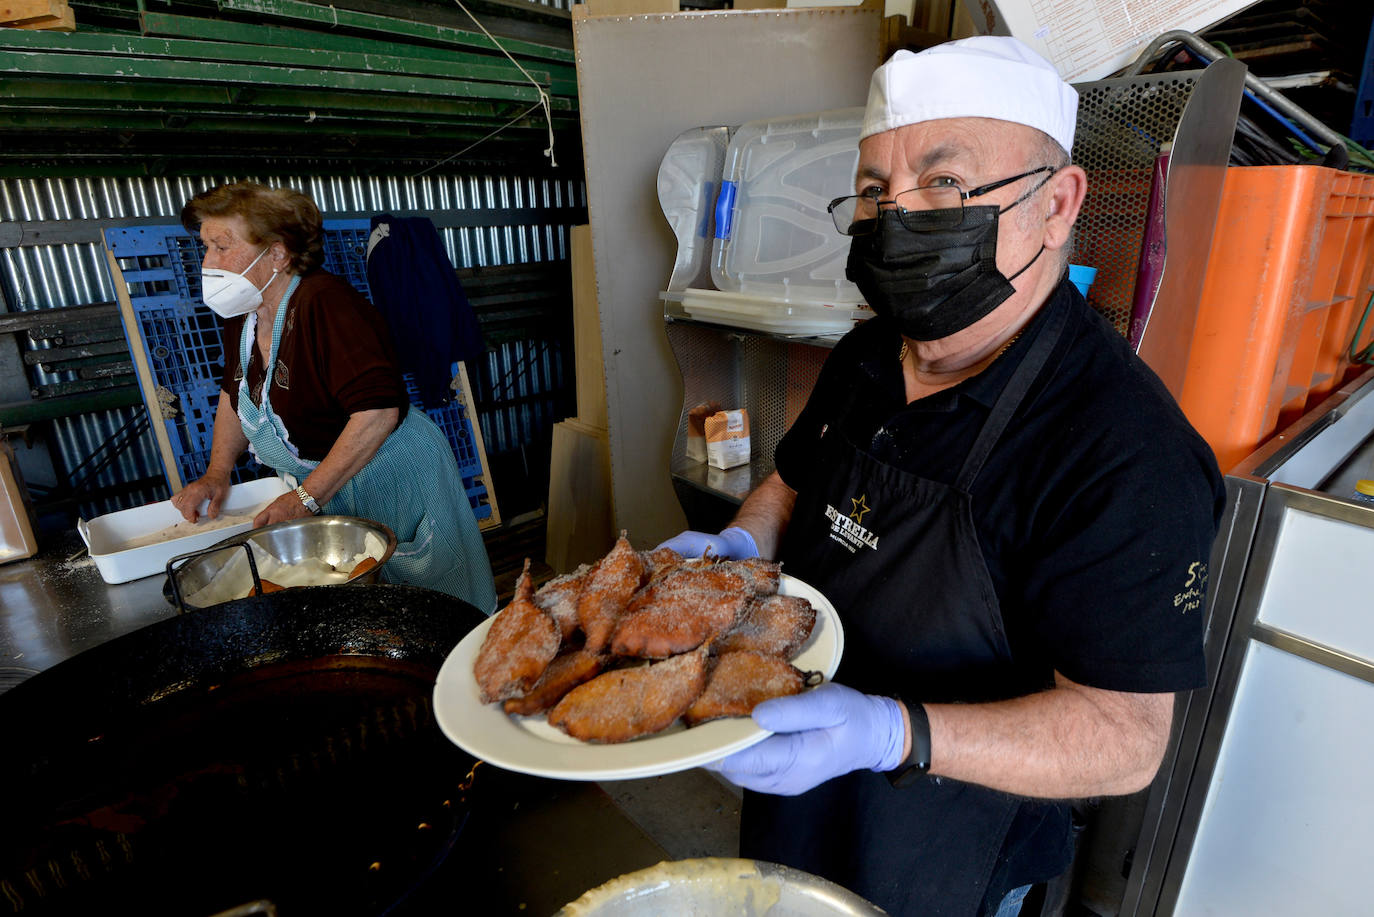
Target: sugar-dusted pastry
[[628, 703]]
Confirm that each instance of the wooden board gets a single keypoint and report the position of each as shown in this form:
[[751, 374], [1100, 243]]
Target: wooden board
[[580, 526], [463, 389], [590, 369], [63, 23], [963, 25], [17, 539], [37, 14], [146, 382], [21, 10]]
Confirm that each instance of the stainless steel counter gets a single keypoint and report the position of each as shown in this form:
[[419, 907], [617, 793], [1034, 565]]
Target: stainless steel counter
[[54, 605]]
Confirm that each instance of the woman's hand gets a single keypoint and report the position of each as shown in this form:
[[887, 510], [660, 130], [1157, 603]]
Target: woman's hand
[[213, 487], [287, 506]]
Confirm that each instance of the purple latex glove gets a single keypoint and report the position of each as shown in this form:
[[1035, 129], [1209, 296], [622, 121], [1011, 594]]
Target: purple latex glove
[[820, 734], [734, 543]]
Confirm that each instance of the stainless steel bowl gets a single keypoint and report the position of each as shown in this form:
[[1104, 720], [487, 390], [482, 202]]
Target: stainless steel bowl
[[717, 886], [331, 539]]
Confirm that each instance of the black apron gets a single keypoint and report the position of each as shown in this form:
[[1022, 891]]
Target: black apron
[[899, 558]]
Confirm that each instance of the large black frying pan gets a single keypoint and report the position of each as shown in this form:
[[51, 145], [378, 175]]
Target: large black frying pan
[[279, 748]]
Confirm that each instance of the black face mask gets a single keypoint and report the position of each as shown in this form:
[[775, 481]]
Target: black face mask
[[931, 281]]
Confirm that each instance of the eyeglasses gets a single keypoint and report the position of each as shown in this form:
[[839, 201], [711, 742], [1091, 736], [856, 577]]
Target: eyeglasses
[[931, 207]]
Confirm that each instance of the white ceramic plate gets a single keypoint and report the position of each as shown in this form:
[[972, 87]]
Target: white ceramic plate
[[529, 745]]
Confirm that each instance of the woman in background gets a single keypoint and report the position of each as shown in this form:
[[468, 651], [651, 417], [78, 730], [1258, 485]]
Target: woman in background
[[311, 385]]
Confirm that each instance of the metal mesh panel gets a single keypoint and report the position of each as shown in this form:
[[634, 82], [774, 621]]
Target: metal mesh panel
[[1121, 125], [767, 376]]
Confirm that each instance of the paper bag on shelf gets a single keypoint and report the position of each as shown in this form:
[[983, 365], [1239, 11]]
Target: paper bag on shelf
[[696, 430], [727, 439]]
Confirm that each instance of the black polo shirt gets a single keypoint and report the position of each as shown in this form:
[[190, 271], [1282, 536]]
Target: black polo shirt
[[1095, 511]]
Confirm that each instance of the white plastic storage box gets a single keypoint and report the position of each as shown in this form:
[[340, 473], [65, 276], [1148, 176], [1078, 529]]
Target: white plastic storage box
[[108, 537], [774, 236], [688, 180]]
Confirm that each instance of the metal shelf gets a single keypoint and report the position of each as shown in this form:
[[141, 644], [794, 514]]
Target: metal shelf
[[767, 374], [732, 484]]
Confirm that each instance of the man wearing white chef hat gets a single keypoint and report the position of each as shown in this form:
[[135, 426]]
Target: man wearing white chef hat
[[1007, 509]]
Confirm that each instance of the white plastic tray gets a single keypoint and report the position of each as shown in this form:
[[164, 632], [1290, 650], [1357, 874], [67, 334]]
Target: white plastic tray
[[763, 313], [106, 536]]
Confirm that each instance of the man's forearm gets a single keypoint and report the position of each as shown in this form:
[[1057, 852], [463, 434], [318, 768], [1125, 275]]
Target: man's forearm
[[765, 514], [1068, 742]]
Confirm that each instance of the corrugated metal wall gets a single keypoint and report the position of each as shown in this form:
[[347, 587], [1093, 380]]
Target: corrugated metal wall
[[51, 276]]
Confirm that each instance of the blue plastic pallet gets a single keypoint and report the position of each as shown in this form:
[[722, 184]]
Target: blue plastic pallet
[[452, 419], [183, 344]]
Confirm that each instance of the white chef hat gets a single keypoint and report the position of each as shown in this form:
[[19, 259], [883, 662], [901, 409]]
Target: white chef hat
[[988, 76]]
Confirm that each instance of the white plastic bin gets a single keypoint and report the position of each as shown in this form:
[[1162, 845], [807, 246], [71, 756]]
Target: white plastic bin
[[774, 236], [17, 538], [107, 537]]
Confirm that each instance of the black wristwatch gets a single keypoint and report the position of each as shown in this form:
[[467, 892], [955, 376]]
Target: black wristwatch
[[917, 764]]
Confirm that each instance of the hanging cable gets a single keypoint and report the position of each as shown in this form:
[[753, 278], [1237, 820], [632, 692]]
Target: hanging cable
[[543, 95], [476, 142]]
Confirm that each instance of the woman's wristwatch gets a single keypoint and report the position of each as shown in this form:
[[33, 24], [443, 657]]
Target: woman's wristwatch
[[917, 764], [307, 500]]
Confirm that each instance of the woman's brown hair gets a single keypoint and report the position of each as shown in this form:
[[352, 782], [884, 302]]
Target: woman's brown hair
[[282, 215]]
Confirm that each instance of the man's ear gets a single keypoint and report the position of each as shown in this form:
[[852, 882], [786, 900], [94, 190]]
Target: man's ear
[[1067, 189]]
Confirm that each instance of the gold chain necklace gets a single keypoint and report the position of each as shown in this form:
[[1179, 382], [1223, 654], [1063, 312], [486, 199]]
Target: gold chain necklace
[[901, 354]]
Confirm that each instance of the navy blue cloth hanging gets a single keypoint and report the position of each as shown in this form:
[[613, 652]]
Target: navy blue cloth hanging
[[414, 286]]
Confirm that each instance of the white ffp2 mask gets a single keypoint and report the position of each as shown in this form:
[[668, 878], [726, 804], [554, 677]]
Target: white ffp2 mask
[[229, 294]]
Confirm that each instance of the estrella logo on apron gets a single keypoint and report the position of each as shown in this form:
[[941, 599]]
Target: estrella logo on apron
[[847, 530]]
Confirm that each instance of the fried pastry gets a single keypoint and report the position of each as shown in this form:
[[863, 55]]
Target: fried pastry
[[777, 625], [558, 597], [763, 574], [567, 671], [625, 704], [664, 620], [707, 577], [519, 645], [739, 682], [607, 592], [659, 562]]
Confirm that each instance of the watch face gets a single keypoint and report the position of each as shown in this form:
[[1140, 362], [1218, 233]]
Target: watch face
[[306, 500]]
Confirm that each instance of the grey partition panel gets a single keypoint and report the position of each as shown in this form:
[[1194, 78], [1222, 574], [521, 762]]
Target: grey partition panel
[[642, 80]]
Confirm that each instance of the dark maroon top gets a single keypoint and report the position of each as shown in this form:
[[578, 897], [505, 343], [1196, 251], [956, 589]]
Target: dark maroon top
[[336, 358]]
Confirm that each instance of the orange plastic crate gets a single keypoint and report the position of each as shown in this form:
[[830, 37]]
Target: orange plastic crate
[[1288, 276]]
